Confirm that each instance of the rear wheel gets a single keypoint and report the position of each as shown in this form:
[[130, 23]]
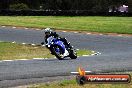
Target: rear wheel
[[73, 54], [57, 52]]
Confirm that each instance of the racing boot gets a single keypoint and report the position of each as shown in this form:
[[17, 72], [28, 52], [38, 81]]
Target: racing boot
[[51, 51]]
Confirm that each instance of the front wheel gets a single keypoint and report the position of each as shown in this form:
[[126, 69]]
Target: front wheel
[[73, 54], [57, 52]]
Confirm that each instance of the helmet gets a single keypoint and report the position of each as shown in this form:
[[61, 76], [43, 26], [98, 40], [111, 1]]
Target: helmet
[[48, 30]]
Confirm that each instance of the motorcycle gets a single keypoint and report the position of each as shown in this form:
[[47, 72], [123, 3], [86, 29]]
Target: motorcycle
[[60, 50]]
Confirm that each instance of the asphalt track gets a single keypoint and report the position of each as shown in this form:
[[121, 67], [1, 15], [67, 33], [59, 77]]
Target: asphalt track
[[116, 55]]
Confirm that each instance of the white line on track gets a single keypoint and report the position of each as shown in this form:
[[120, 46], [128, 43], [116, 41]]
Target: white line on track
[[88, 33], [78, 72], [43, 45], [3, 26], [77, 49], [64, 31], [100, 34], [119, 35], [93, 54], [38, 29], [33, 44], [13, 60], [93, 51], [85, 55], [23, 43], [14, 27], [74, 72], [13, 42], [21, 59], [6, 60], [38, 58], [75, 32], [26, 28]]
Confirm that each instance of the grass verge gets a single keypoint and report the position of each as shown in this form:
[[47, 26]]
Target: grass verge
[[80, 23], [84, 52], [72, 84], [11, 51]]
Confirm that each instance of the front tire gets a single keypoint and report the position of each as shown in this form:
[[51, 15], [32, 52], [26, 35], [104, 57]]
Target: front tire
[[57, 54]]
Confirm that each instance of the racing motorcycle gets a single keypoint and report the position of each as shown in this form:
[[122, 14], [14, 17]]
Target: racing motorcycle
[[60, 50]]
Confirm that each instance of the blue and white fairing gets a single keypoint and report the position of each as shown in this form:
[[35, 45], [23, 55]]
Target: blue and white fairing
[[54, 41]]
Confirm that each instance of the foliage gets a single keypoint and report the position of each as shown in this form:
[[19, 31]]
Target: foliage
[[19, 6], [66, 4]]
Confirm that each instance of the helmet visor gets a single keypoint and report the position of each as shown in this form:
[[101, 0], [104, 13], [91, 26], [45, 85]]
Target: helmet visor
[[47, 33]]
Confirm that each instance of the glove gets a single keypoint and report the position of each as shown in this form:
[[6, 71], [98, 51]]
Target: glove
[[48, 46]]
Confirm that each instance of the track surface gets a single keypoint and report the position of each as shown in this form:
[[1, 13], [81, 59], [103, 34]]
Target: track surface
[[116, 55]]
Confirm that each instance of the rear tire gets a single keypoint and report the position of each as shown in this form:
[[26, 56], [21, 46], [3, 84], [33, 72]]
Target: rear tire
[[73, 54]]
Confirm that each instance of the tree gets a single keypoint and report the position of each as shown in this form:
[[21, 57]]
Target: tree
[[4, 4], [33, 4], [129, 5], [95, 5], [19, 6]]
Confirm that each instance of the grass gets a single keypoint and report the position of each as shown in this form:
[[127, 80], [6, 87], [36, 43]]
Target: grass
[[79, 23], [11, 51], [72, 84], [84, 52]]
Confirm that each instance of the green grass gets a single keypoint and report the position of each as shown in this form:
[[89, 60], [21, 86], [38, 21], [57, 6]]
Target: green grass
[[79, 23], [11, 51], [84, 52], [73, 84]]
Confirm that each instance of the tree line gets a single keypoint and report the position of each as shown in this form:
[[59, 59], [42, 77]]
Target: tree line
[[95, 5]]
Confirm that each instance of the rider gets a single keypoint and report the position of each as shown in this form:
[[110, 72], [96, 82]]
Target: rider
[[48, 33]]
